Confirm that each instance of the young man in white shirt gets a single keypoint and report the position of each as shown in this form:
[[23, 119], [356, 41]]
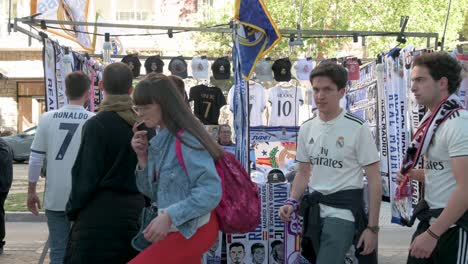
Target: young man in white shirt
[[441, 235], [57, 140], [333, 150]]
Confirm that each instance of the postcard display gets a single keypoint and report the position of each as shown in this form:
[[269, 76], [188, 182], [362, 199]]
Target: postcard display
[[273, 241]]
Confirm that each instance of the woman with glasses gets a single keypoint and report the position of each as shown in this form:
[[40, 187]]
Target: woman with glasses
[[185, 226]]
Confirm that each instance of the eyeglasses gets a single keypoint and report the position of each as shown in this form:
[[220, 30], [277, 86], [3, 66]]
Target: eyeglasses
[[140, 109]]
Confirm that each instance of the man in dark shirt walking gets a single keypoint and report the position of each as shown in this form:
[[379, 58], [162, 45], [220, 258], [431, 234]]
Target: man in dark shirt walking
[[6, 178], [104, 201]]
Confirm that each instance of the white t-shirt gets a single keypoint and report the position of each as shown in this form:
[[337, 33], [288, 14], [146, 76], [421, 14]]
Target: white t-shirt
[[449, 141], [256, 103], [285, 104], [58, 136], [337, 150]]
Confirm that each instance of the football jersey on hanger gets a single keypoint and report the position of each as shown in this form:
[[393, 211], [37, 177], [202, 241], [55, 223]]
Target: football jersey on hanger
[[257, 102], [285, 102], [207, 102]]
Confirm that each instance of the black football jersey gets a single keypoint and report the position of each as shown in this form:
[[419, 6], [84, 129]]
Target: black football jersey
[[207, 102]]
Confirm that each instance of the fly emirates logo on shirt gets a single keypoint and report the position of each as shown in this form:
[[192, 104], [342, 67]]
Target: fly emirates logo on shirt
[[434, 165], [322, 159]]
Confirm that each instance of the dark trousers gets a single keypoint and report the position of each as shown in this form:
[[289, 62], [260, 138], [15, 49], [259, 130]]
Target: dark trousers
[[3, 196], [452, 247]]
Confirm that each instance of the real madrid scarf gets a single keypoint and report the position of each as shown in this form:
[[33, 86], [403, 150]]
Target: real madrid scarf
[[423, 136]]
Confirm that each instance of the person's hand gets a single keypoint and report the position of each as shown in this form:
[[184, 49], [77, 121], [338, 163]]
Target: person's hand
[[400, 178], [285, 212], [158, 228], [140, 142], [422, 246], [367, 241], [33, 203]]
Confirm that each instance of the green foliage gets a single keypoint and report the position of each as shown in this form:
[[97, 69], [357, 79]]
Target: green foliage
[[464, 30], [351, 15]]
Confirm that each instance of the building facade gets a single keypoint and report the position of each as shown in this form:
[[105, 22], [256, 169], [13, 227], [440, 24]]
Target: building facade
[[22, 91]]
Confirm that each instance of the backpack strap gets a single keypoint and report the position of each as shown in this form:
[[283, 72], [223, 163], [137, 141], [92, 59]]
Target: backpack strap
[[178, 145]]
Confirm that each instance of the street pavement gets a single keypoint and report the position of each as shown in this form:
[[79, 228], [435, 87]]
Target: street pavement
[[25, 240]]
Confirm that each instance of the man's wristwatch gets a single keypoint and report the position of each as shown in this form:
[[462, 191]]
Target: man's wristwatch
[[374, 229]]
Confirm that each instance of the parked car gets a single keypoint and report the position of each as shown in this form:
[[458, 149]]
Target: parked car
[[21, 144]]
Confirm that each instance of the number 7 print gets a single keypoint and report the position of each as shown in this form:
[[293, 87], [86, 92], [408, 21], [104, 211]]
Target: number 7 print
[[66, 141]]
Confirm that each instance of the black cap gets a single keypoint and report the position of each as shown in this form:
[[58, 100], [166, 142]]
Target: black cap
[[275, 176], [282, 70], [154, 64], [221, 68], [178, 67], [134, 63]]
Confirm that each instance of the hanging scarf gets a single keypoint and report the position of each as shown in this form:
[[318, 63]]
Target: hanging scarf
[[419, 145], [121, 104]]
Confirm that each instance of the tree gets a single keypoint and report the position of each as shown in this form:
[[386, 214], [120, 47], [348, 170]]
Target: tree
[[362, 15]]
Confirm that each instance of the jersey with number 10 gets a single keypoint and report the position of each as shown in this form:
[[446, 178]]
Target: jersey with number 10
[[58, 137], [285, 104]]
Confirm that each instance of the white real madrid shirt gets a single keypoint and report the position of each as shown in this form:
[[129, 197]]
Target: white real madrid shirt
[[58, 136], [257, 102], [285, 104], [449, 141], [337, 150]]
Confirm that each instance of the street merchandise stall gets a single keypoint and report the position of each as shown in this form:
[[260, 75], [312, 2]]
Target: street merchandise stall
[[283, 99]]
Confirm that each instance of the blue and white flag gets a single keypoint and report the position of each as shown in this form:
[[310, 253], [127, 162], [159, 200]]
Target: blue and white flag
[[256, 33]]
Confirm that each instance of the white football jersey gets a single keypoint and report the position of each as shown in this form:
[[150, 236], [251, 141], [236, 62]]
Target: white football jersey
[[256, 103], [285, 104], [58, 136]]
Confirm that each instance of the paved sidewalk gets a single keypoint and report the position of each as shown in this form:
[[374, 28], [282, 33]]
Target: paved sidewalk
[[24, 243], [26, 234]]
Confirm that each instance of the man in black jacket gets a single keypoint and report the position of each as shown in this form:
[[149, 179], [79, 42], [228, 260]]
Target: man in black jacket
[[104, 201], [6, 178]]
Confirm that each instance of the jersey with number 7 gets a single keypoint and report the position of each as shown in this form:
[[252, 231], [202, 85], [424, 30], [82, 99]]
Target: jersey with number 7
[[58, 136]]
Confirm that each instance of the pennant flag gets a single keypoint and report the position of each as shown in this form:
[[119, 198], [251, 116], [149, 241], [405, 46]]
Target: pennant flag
[[66, 10], [256, 33]]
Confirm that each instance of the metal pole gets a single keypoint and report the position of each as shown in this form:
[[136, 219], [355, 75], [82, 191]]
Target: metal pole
[[9, 17], [445, 26], [36, 22]]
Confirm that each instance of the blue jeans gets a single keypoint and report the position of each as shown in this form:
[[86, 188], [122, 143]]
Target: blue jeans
[[59, 227], [335, 240]]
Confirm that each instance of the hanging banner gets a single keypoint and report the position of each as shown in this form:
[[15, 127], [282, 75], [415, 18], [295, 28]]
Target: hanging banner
[[383, 133], [395, 89], [278, 193], [60, 75], [48, 55], [256, 33], [463, 90], [252, 247], [70, 11]]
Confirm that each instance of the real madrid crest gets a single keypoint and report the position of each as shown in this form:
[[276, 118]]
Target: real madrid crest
[[340, 142]]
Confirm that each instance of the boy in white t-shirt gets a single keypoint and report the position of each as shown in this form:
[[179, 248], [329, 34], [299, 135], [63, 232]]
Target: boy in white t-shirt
[[333, 149], [57, 140], [441, 235]]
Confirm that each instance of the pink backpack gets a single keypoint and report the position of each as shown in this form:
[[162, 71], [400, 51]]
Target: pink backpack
[[238, 211]]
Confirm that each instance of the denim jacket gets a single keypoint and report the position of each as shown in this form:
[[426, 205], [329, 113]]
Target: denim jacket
[[187, 199]]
